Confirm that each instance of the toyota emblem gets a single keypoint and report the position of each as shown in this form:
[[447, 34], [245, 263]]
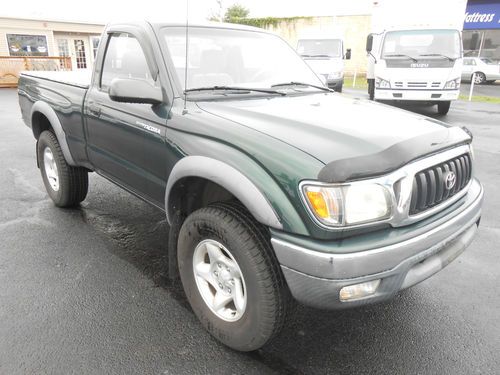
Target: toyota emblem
[[450, 180]]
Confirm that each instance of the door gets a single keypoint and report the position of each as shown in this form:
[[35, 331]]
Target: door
[[76, 48], [125, 141]]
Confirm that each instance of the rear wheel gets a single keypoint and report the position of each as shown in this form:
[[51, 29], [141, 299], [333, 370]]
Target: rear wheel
[[67, 186], [231, 276], [444, 107], [338, 88], [479, 78]]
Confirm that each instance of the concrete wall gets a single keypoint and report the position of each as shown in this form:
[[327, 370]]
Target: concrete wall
[[353, 28]]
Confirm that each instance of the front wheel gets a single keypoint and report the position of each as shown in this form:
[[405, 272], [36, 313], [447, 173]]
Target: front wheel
[[67, 186], [231, 276], [479, 78], [444, 107]]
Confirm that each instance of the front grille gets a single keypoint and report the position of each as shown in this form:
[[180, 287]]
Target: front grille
[[429, 186], [417, 84]]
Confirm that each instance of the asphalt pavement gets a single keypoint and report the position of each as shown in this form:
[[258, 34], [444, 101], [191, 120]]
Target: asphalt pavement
[[84, 290], [487, 89]]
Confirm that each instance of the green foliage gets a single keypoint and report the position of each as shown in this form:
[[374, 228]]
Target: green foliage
[[267, 21], [235, 13]]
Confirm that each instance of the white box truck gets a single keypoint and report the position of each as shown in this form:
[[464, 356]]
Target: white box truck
[[415, 52]]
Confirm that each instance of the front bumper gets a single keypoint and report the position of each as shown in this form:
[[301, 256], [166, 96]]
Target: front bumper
[[315, 278], [335, 83], [416, 95]]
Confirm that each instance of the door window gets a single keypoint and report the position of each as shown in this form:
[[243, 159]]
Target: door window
[[124, 59], [63, 47], [81, 56]]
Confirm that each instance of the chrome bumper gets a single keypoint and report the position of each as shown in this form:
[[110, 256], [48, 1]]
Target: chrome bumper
[[315, 278]]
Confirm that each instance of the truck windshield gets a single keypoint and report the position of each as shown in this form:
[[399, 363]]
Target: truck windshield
[[422, 44], [320, 47], [235, 58]]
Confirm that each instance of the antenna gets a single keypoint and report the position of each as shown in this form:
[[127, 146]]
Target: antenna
[[184, 110]]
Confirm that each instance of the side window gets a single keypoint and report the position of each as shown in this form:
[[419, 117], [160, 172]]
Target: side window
[[124, 59]]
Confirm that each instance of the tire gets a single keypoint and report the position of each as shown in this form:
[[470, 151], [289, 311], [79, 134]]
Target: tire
[[371, 88], [444, 107], [67, 186], [232, 230], [480, 78], [339, 88]]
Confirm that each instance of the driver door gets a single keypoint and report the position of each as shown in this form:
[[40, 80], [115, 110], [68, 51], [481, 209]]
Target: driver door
[[126, 141]]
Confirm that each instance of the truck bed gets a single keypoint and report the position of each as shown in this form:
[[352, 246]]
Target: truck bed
[[80, 78]]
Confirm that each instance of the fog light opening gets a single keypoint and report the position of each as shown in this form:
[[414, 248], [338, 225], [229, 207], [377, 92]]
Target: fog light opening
[[357, 291]]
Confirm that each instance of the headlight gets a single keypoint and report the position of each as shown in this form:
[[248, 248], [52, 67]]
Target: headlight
[[334, 75], [453, 84], [382, 83], [348, 204]]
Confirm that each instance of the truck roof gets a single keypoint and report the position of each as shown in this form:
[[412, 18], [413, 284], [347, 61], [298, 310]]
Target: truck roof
[[158, 23]]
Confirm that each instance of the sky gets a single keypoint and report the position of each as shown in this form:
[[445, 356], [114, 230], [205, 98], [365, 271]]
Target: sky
[[103, 11]]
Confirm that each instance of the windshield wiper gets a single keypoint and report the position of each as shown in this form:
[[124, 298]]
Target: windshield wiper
[[439, 55], [233, 88], [302, 84], [401, 55]]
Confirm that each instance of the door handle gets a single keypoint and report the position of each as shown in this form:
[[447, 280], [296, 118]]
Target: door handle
[[94, 110]]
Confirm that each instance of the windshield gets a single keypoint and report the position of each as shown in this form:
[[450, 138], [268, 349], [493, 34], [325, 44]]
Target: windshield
[[236, 58], [415, 43], [320, 47]]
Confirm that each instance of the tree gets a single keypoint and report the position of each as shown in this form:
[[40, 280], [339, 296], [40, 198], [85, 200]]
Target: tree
[[235, 13]]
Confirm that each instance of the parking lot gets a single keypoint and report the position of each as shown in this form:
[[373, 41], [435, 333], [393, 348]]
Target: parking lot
[[85, 291]]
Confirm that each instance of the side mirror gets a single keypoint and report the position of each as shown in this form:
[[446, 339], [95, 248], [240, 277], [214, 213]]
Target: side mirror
[[369, 43], [130, 90], [348, 54]]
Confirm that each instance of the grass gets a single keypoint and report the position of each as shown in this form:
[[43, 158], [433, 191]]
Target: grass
[[360, 82], [479, 98]]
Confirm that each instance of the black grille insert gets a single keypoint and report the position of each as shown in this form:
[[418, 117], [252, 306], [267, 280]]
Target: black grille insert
[[430, 186]]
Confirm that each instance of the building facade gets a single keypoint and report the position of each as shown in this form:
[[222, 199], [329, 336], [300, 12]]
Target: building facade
[[36, 44], [481, 34]]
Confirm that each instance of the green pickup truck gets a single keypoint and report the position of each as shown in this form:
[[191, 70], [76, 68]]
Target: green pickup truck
[[273, 186]]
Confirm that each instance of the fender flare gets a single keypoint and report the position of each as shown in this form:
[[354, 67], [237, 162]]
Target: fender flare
[[228, 177], [48, 111]]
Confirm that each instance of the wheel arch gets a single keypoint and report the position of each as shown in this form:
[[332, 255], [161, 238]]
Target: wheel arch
[[224, 176], [43, 117]]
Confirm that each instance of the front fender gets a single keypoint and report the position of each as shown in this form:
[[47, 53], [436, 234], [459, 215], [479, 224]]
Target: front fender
[[261, 195]]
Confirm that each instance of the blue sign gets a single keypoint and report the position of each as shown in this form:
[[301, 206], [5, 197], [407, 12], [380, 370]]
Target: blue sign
[[482, 16]]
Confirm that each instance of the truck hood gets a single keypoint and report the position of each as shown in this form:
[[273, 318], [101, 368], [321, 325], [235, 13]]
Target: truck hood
[[331, 127]]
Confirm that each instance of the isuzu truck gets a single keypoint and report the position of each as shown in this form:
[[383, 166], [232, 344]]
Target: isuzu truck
[[413, 57]]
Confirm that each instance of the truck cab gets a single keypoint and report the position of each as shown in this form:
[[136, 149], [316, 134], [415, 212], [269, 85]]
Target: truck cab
[[325, 55], [415, 65]]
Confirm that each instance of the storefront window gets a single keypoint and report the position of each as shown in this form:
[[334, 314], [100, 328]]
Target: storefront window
[[27, 45], [484, 43], [491, 45]]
